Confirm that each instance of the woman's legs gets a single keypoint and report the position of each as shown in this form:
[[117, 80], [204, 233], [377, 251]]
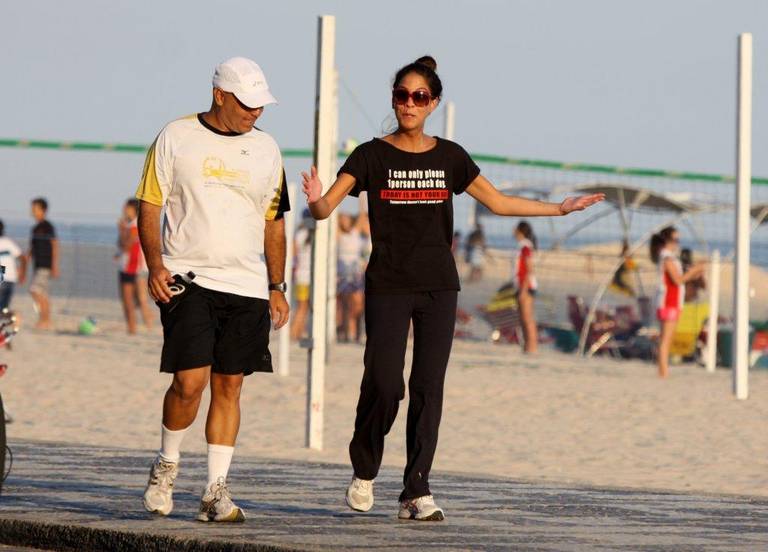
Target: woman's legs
[[127, 292], [434, 321], [387, 320], [665, 343], [353, 311], [299, 320], [143, 300], [528, 320]]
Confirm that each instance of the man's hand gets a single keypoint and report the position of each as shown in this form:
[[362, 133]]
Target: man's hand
[[158, 281], [278, 309], [55, 272]]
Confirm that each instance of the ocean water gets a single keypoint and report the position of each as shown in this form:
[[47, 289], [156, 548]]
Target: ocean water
[[103, 234]]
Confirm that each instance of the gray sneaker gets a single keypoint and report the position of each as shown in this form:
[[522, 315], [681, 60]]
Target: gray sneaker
[[421, 509], [216, 504], [360, 494], [158, 496]]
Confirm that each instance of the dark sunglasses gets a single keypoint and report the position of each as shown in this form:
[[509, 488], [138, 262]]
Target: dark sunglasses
[[421, 98]]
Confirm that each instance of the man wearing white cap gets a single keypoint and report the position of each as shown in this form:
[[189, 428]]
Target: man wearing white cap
[[215, 270]]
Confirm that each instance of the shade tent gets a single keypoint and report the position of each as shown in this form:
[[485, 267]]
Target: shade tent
[[759, 212], [627, 200]]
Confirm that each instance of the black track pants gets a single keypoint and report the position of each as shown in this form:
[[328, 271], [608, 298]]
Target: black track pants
[[387, 321]]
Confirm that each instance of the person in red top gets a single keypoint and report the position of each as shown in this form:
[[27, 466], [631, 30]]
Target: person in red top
[[526, 284], [133, 269], [665, 247]]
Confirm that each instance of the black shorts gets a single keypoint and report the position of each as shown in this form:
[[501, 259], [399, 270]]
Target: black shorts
[[226, 331], [126, 278]]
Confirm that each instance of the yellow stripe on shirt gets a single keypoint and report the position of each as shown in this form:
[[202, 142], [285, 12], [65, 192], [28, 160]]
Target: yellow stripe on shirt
[[275, 203], [149, 187]]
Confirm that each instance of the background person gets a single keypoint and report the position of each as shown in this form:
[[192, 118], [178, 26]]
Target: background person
[[10, 258], [350, 285], [694, 286], [526, 284], [475, 253], [302, 274], [665, 247], [133, 268], [410, 179], [44, 255]]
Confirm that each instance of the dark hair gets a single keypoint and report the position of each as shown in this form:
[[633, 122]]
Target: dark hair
[[40, 201], [686, 258], [658, 241], [426, 66], [132, 202], [525, 229], [2, 228]]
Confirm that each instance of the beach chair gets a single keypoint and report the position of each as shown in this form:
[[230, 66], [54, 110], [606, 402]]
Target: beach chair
[[686, 342], [503, 315]]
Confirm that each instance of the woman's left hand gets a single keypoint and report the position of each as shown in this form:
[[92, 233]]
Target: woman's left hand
[[571, 204]]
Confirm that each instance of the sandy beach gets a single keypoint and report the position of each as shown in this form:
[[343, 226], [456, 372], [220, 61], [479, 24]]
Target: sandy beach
[[551, 417]]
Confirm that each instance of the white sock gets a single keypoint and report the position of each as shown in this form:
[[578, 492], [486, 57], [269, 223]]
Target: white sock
[[219, 458], [170, 443]]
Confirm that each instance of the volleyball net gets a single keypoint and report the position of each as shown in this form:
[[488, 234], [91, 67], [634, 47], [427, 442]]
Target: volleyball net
[[575, 254]]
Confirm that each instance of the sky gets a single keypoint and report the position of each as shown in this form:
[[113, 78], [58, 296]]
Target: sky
[[641, 84]]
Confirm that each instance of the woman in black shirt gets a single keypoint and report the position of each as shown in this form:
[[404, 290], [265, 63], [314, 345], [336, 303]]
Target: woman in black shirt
[[410, 179]]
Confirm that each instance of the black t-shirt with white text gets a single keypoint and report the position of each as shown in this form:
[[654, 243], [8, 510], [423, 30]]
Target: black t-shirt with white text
[[41, 244], [410, 205]]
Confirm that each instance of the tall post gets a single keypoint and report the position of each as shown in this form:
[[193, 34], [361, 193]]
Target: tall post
[[284, 352], [323, 158], [450, 120], [710, 360], [333, 228], [743, 190]]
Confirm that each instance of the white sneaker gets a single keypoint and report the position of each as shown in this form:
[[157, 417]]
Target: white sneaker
[[158, 496], [216, 504], [360, 494], [421, 509]]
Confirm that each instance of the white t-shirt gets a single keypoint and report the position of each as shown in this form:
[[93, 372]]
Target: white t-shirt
[[217, 190], [9, 252]]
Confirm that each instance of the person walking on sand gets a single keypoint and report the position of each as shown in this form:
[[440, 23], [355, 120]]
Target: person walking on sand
[[44, 255], [410, 179], [526, 284], [132, 273], [10, 258], [221, 184], [302, 274], [672, 279]]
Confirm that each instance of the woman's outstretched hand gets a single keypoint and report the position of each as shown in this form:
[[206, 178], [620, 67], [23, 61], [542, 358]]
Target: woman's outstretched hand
[[312, 186], [571, 204]]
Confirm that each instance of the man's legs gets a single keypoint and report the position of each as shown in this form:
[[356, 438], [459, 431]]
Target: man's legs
[[223, 423], [182, 400]]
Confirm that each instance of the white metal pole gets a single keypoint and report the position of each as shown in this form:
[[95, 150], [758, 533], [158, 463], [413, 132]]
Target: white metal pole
[[323, 155], [333, 229], [743, 185], [284, 353], [710, 360], [450, 120]]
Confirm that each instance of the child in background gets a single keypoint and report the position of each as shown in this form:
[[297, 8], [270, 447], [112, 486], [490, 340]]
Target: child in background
[[132, 274]]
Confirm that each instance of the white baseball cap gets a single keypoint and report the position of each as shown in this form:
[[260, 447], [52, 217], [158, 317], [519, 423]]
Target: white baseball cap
[[245, 79]]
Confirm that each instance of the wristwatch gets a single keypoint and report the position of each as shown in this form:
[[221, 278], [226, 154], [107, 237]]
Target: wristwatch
[[281, 287]]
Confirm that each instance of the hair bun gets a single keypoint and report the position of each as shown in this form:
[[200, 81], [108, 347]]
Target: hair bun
[[427, 61]]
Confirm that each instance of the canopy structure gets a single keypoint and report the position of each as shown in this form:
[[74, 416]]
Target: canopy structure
[[759, 212], [627, 200]]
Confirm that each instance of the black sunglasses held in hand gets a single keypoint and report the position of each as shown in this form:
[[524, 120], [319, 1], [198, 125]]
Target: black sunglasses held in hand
[[421, 98]]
